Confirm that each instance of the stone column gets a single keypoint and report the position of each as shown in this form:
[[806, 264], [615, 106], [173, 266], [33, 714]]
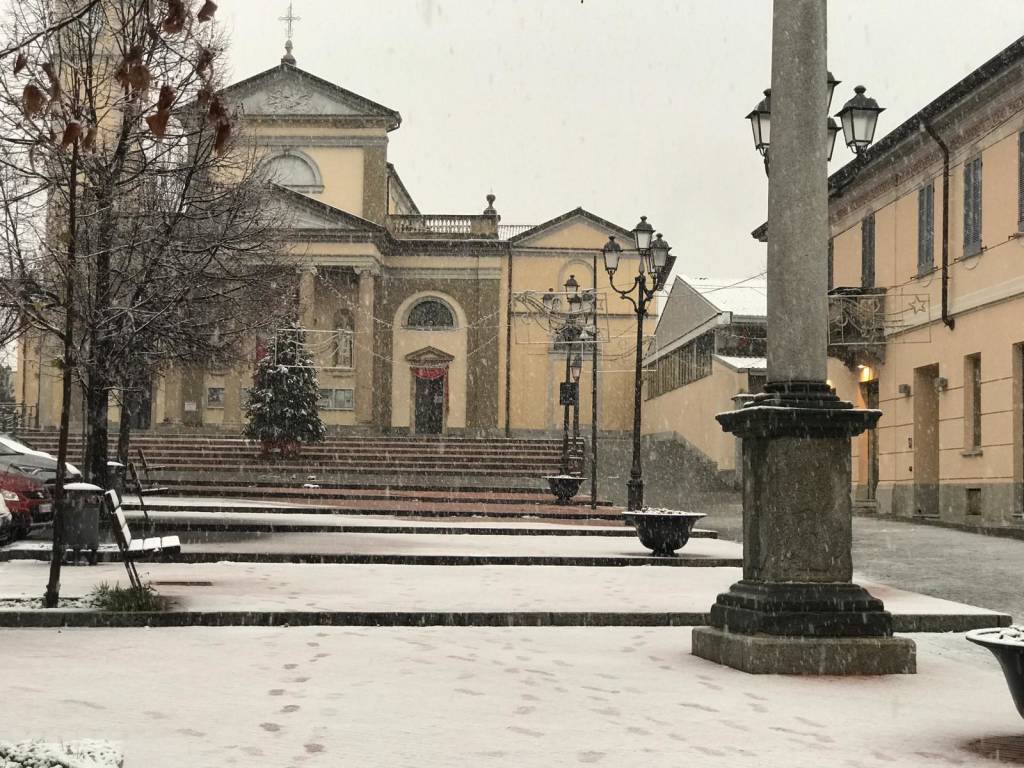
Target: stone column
[[307, 296], [364, 359], [796, 610]]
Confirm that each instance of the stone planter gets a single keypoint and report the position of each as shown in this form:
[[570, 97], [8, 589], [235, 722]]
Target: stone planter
[[1007, 645], [564, 487], [663, 531]]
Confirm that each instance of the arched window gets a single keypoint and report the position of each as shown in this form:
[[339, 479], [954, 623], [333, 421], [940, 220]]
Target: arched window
[[429, 314], [295, 170], [344, 336]]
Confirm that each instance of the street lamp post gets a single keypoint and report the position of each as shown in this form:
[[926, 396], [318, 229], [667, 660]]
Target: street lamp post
[[654, 253], [568, 334], [797, 610]]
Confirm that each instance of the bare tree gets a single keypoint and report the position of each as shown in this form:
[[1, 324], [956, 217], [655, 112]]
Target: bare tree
[[134, 233]]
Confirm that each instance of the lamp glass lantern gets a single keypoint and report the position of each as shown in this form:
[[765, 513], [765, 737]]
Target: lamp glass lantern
[[575, 362], [761, 122], [643, 233], [658, 256], [830, 86], [859, 117], [832, 129], [612, 253]]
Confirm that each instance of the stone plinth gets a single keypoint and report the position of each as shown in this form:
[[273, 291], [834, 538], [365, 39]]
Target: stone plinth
[[767, 654], [796, 610]]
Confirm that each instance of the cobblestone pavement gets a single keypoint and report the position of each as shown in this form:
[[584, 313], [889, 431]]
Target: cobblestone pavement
[[966, 567]]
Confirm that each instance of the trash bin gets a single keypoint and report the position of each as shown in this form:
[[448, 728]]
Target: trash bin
[[82, 502]]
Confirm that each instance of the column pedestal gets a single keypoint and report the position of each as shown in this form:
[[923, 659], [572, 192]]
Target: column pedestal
[[796, 610]]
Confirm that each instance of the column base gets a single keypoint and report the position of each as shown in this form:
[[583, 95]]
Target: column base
[[783, 655], [794, 609]]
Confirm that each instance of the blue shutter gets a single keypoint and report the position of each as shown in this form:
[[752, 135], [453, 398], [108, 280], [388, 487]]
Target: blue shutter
[[867, 252], [972, 206], [831, 264], [926, 229], [1020, 182]]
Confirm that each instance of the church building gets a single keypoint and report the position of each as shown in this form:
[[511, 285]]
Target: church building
[[419, 323]]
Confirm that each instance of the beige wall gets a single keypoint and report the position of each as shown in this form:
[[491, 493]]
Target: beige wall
[[689, 411]]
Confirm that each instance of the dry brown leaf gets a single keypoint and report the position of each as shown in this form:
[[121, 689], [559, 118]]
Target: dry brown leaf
[[166, 97], [220, 144], [206, 12], [72, 132], [20, 63], [157, 122], [33, 100]]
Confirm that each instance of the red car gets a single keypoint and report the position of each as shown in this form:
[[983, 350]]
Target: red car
[[28, 500]]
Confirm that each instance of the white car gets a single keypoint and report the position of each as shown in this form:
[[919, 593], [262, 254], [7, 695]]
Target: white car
[[29, 461]]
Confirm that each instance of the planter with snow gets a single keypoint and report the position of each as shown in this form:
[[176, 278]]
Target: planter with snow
[[663, 531], [1007, 645], [564, 487]]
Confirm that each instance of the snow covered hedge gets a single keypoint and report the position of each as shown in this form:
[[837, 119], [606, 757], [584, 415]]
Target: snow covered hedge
[[74, 754]]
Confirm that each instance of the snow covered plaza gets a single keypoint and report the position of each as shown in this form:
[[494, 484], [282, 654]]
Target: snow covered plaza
[[495, 694]]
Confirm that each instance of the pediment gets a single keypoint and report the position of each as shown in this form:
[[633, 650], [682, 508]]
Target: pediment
[[578, 228], [302, 212], [287, 91], [429, 356]]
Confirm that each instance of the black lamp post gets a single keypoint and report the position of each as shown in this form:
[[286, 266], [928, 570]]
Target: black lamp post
[[653, 262], [568, 334]]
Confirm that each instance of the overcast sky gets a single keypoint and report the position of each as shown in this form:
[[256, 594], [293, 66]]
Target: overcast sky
[[625, 107]]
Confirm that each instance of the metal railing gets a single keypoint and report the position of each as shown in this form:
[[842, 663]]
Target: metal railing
[[15, 417]]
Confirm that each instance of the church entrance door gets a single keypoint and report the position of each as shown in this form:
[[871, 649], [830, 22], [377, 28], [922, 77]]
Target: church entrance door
[[430, 405]]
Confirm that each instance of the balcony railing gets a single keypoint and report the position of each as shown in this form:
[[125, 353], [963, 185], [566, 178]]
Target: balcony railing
[[443, 226], [857, 325]]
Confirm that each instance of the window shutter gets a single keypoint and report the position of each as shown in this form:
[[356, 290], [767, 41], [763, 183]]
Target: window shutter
[[972, 205], [977, 201], [831, 264], [1020, 182], [926, 229], [867, 252]]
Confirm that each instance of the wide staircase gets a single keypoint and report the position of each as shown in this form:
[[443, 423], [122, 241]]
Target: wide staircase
[[392, 475]]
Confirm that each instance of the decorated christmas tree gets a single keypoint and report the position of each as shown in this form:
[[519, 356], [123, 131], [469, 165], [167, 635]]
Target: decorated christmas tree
[[283, 408]]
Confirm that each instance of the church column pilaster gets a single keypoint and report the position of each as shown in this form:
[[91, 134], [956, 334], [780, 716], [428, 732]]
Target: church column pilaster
[[364, 348], [307, 297]]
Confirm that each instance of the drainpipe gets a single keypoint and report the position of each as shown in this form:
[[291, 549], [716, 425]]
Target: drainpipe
[[949, 321]]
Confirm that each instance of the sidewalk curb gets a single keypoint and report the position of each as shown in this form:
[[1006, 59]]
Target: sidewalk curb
[[56, 619], [108, 556]]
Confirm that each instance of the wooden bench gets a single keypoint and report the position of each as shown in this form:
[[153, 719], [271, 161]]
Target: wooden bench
[[147, 469], [133, 549]]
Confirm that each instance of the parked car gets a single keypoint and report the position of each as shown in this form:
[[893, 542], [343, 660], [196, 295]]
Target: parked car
[[6, 524], [28, 500], [15, 455]]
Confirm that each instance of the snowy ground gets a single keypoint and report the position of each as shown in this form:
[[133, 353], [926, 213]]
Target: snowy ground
[[483, 697], [285, 587]]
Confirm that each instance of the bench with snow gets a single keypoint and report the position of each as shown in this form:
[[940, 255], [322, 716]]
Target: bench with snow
[[133, 549]]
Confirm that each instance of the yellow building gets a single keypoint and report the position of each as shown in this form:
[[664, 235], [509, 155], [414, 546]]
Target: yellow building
[[927, 302], [407, 314], [709, 348]]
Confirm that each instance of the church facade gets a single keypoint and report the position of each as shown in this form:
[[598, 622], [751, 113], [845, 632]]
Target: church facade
[[418, 323]]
